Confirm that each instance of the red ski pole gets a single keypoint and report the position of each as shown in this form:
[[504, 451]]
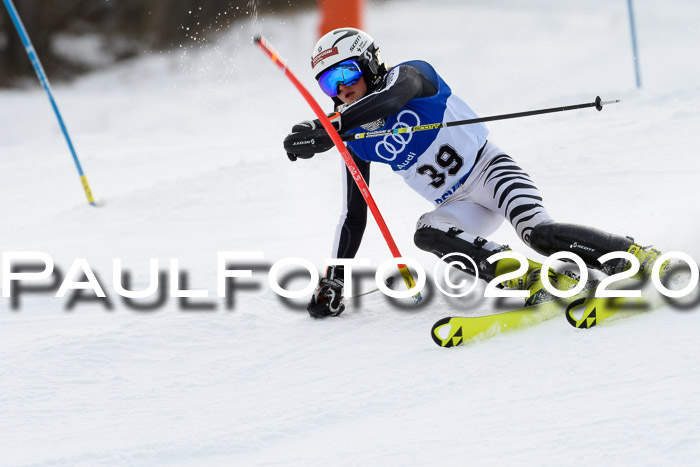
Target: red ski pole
[[352, 167]]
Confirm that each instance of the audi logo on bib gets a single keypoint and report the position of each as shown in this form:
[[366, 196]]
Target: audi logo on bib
[[392, 145]]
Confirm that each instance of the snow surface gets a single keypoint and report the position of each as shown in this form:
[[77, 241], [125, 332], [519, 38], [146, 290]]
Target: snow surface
[[183, 150]]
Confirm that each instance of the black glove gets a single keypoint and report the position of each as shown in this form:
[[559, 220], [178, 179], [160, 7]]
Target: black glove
[[328, 296], [309, 138]]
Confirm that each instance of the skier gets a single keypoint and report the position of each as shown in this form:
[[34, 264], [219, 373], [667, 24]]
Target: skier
[[472, 183]]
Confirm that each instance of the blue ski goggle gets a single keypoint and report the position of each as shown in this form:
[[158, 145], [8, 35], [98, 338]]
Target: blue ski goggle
[[346, 73]]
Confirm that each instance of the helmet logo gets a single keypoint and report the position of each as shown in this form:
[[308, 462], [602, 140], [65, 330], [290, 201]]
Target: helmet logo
[[393, 145], [354, 44], [348, 33], [323, 55]]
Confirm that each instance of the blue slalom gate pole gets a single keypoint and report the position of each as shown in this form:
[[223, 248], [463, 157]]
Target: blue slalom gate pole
[[29, 48], [635, 53]]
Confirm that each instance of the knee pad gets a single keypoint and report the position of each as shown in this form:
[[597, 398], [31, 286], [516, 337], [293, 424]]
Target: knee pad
[[442, 243]]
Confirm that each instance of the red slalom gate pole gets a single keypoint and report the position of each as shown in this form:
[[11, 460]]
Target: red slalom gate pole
[[352, 167]]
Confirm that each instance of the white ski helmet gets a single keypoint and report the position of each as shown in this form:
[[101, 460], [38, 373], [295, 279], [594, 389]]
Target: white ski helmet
[[345, 44]]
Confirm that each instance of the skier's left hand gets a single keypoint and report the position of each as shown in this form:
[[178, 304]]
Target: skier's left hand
[[327, 299]]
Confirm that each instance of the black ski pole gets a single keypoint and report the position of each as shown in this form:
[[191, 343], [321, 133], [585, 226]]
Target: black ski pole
[[598, 104]]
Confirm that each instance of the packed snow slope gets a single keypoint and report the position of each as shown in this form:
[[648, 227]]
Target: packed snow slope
[[183, 150]]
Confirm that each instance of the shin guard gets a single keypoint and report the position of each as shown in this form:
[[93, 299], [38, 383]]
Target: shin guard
[[587, 242]]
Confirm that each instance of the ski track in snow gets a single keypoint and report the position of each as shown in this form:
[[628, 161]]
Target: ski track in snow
[[184, 151]]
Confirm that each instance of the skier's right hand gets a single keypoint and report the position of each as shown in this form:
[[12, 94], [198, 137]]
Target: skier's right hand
[[309, 138], [306, 143]]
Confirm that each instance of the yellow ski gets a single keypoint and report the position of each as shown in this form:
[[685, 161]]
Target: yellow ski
[[453, 331]]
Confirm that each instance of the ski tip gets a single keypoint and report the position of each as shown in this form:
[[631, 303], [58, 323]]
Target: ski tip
[[257, 38], [435, 331], [587, 312]]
